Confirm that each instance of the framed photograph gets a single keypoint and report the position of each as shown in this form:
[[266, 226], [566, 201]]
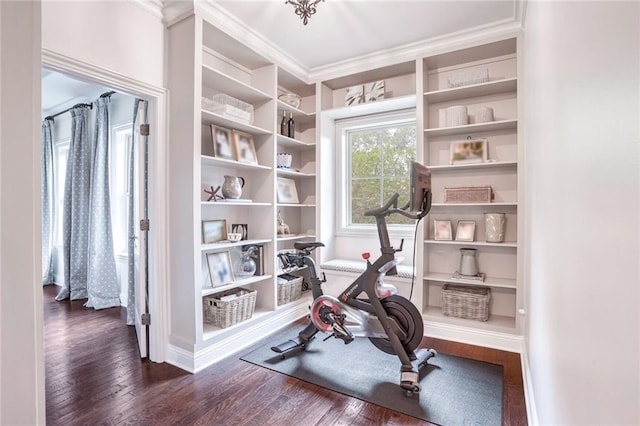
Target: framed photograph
[[466, 230], [287, 192], [374, 91], [241, 228], [442, 230], [469, 151], [354, 95], [222, 143], [220, 271], [245, 149], [214, 231]]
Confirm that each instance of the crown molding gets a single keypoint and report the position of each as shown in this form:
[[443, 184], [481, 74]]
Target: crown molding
[[155, 7], [175, 10]]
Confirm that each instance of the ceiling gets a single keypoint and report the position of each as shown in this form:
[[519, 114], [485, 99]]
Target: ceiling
[[348, 30], [60, 91]]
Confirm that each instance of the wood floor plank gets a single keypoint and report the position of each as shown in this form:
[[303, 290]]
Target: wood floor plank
[[94, 376]]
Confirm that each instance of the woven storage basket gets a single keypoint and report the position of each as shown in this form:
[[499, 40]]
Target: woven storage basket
[[289, 288], [225, 313], [471, 302]]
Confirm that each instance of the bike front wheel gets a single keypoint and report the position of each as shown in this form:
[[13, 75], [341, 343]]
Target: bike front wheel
[[408, 318]]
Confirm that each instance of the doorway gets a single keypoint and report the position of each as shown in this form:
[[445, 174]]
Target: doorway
[[127, 90]]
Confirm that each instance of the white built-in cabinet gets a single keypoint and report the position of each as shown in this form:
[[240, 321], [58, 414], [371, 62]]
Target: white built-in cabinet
[[203, 61]]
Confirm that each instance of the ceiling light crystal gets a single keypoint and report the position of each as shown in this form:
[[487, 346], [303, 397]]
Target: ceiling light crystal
[[304, 8]]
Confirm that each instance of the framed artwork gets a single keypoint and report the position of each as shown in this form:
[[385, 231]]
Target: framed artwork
[[241, 228], [220, 271], [468, 151], [287, 192], [442, 230], [354, 95], [214, 231], [245, 149], [222, 144], [374, 91], [466, 230]]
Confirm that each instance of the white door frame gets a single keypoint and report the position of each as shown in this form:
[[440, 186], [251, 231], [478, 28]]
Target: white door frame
[[158, 179]]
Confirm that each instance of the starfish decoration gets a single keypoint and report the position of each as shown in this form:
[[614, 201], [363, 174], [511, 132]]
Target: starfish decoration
[[213, 194]]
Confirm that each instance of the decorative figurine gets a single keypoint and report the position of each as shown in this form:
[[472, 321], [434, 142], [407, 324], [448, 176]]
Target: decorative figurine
[[283, 228], [213, 194]]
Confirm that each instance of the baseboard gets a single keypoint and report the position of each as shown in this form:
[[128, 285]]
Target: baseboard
[[488, 339], [217, 351], [532, 414]]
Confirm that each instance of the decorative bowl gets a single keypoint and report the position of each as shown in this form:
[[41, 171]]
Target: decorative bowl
[[291, 99]]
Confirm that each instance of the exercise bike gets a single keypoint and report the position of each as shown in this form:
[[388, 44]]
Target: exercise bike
[[369, 307]]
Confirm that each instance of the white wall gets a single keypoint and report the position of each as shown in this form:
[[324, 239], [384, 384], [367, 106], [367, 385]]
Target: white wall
[[582, 134], [117, 35], [21, 351]]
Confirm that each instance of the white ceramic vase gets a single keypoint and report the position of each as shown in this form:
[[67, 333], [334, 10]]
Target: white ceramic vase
[[494, 224]]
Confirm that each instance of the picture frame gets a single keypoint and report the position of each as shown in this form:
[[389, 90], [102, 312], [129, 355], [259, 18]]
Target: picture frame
[[241, 228], [287, 192], [220, 270], [244, 147], [374, 91], [466, 230], [214, 231], [469, 151], [442, 230], [354, 95], [222, 143]]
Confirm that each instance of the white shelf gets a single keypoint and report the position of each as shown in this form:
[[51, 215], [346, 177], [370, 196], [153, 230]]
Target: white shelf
[[472, 91], [488, 282], [238, 283], [391, 104], [491, 126], [233, 203], [295, 205], [225, 245], [475, 205], [496, 323], [294, 143], [477, 166], [506, 244], [299, 116], [294, 173], [209, 117], [292, 237], [222, 162], [232, 87]]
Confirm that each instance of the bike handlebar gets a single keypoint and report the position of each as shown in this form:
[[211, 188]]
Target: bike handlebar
[[393, 202]]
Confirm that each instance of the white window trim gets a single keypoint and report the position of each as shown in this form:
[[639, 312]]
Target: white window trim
[[342, 159], [116, 130]]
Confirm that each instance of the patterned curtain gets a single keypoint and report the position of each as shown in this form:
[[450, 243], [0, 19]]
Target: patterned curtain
[[102, 279], [48, 202], [139, 116], [89, 264]]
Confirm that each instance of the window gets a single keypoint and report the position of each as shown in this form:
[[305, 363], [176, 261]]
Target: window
[[119, 186], [375, 162], [60, 154]]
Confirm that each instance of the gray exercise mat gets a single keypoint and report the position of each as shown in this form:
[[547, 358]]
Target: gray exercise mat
[[455, 391]]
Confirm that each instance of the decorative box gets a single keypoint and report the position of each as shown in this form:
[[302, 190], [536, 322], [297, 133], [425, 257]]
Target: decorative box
[[289, 288], [229, 307], [468, 194], [470, 302], [229, 107], [456, 116]]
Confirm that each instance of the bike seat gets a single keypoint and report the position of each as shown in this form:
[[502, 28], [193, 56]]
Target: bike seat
[[303, 245]]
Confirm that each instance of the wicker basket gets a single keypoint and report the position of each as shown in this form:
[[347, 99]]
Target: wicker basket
[[470, 302], [289, 288], [222, 311], [468, 194]]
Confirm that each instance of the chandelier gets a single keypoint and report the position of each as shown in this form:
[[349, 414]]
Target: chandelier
[[304, 8]]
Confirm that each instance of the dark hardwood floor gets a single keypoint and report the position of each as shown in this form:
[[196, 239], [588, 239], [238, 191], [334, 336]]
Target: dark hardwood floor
[[94, 376]]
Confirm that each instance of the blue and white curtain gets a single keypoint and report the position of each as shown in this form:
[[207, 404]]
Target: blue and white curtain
[[47, 192], [89, 263]]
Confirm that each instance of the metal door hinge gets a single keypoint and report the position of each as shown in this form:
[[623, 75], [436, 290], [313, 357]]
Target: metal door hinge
[[146, 319], [144, 130], [144, 224]]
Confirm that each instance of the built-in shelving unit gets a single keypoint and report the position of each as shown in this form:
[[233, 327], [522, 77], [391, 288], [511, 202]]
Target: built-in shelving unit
[[204, 62], [500, 262]]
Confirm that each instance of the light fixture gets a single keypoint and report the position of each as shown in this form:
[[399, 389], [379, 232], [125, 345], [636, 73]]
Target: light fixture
[[304, 8]]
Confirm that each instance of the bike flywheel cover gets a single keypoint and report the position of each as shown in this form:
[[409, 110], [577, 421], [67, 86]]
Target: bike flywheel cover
[[319, 307]]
